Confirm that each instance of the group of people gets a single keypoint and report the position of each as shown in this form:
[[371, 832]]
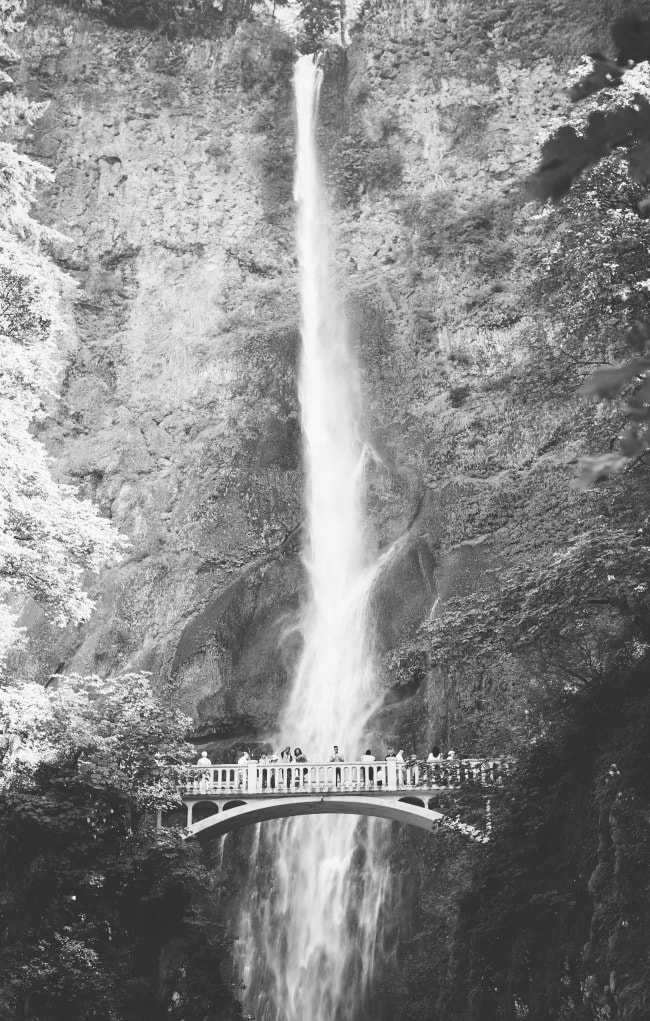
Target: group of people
[[289, 778], [286, 755]]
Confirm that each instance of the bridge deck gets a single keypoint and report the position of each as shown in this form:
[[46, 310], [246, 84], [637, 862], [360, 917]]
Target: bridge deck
[[325, 792], [223, 798]]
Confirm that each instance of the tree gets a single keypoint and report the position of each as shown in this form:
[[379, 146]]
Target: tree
[[613, 120], [555, 922], [279, 3], [92, 895], [49, 536], [116, 733], [320, 19]]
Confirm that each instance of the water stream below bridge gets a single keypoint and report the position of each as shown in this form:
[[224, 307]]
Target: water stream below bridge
[[310, 929]]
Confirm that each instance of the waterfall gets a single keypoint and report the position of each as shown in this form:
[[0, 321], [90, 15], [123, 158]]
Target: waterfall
[[309, 930]]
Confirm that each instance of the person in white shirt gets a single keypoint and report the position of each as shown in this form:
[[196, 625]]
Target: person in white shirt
[[337, 757], [204, 778], [264, 773], [433, 756], [243, 760]]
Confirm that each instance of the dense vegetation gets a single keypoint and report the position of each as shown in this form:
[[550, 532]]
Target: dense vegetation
[[102, 916], [552, 919], [317, 19], [49, 536]]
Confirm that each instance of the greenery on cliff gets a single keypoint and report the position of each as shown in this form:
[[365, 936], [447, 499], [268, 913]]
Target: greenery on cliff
[[317, 20], [49, 536], [553, 921], [102, 915]]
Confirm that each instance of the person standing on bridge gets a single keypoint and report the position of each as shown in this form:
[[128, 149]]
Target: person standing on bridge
[[453, 770], [243, 760], [337, 757], [263, 760], [368, 757], [286, 756], [204, 777], [434, 756], [299, 756], [401, 771]]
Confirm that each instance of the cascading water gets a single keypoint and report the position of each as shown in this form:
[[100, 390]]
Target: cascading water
[[309, 932]]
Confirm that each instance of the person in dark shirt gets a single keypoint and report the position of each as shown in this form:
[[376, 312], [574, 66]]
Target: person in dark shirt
[[300, 757]]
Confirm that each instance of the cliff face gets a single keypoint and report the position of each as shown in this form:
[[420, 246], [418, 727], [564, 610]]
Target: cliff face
[[178, 409], [178, 412]]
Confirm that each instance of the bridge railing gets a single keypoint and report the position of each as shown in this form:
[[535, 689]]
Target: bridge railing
[[279, 778]]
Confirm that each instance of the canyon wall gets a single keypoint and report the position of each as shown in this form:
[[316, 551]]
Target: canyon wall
[[178, 414]]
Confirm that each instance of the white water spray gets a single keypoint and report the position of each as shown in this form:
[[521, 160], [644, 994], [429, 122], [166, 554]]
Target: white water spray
[[310, 937]]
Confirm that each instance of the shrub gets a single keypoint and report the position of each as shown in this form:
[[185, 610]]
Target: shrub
[[170, 17], [356, 163]]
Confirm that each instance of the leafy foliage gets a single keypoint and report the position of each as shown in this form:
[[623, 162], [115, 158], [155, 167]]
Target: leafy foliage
[[554, 925], [579, 610], [357, 164], [617, 116], [173, 18], [568, 154], [92, 895], [319, 19], [606, 384], [49, 537], [618, 119], [116, 732]]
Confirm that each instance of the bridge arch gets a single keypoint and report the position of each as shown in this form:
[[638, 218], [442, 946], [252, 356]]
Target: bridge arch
[[395, 809], [204, 809], [410, 800]]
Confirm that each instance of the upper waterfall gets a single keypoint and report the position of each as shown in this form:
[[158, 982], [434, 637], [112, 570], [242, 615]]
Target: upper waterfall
[[332, 695]]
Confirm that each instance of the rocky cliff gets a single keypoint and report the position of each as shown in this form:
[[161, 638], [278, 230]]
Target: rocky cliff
[[178, 412]]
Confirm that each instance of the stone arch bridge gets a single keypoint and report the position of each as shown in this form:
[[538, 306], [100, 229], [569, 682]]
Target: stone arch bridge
[[223, 798]]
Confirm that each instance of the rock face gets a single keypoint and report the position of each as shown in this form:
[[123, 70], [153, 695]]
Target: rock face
[[178, 411]]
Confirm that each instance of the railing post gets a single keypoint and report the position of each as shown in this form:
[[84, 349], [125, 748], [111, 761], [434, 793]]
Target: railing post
[[391, 774], [251, 778]]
